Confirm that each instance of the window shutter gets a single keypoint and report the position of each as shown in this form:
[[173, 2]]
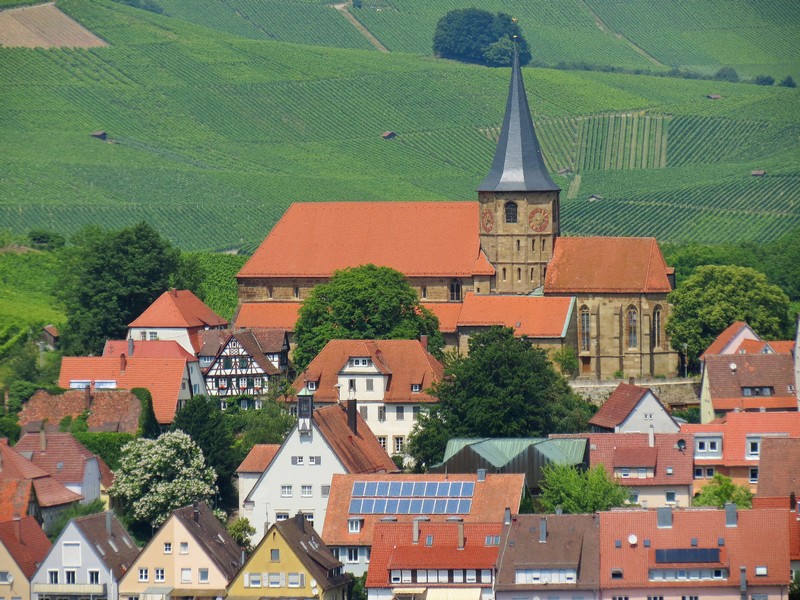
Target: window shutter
[[247, 580], [319, 460], [294, 460], [283, 579], [302, 580]]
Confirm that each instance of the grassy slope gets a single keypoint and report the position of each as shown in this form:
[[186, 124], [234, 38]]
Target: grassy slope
[[213, 130]]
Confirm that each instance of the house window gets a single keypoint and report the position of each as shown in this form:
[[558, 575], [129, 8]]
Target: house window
[[184, 547], [274, 580], [753, 448], [382, 441], [713, 446], [286, 491], [311, 385], [296, 292], [616, 573], [325, 490], [370, 385], [633, 498], [353, 525], [242, 383], [305, 491], [698, 472], [309, 518], [222, 383], [296, 580], [657, 327], [227, 362], [351, 385], [399, 412], [159, 575], [455, 290], [586, 332], [486, 576], [398, 444], [144, 575], [511, 212], [395, 576], [709, 472], [504, 273], [282, 516], [94, 577], [415, 412], [153, 335], [472, 576], [186, 575], [519, 274], [143, 336], [633, 327], [257, 383], [424, 292], [254, 579], [243, 360], [52, 576], [753, 474], [669, 497], [167, 547], [275, 555], [69, 576], [364, 412], [352, 555], [517, 245], [458, 576], [416, 387], [381, 413]]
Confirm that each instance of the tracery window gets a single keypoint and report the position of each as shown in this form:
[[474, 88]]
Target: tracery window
[[633, 327], [511, 212], [586, 332]]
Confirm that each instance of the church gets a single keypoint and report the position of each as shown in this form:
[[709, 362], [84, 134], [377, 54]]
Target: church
[[507, 244]]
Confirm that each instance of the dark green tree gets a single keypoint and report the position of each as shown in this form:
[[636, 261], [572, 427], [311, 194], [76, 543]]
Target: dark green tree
[[242, 531], [504, 388], [266, 425], [362, 303], [575, 491], [716, 296], [788, 81], [148, 425], [764, 80], [476, 35], [727, 74], [202, 419], [41, 239], [721, 490], [110, 278]]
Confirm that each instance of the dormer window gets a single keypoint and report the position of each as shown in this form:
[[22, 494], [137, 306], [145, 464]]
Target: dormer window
[[354, 525], [311, 385], [360, 362], [415, 387], [758, 391]]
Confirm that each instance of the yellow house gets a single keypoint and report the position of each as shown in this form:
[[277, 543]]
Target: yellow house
[[291, 561], [23, 546], [191, 556]]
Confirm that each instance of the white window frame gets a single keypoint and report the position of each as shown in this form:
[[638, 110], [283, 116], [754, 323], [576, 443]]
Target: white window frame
[[184, 547], [144, 574], [286, 491], [158, 575], [352, 554], [186, 575], [306, 491], [202, 575]]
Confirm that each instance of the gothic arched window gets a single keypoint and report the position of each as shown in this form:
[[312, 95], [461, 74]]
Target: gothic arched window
[[633, 327], [657, 327], [511, 212], [586, 331], [455, 290]]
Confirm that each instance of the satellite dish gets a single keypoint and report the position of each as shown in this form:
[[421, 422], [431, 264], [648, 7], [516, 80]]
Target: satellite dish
[[313, 583], [681, 445], [632, 539], [732, 367], [314, 590], [10, 578]]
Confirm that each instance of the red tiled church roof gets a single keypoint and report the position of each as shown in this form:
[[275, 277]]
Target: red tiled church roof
[[531, 316], [616, 265], [273, 315], [178, 308], [438, 239]]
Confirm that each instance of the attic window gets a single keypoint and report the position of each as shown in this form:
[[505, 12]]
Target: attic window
[[105, 384], [616, 573], [415, 387], [429, 540], [79, 384], [360, 362], [311, 385], [761, 571]]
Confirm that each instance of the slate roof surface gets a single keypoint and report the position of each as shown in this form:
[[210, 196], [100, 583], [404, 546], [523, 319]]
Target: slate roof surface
[[779, 468], [752, 370], [618, 406], [178, 308], [275, 315], [405, 361], [212, 537], [616, 265], [111, 410], [311, 551], [719, 345], [117, 557], [30, 549], [490, 499], [259, 458], [613, 449], [147, 349], [359, 453], [759, 539], [415, 238], [64, 457], [393, 548], [161, 376], [736, 426], [573, 542]]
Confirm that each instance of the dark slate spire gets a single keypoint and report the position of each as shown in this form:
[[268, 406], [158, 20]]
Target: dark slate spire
[[518, 162]]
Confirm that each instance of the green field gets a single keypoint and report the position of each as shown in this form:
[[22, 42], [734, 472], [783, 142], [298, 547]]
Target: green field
[[218, 124]]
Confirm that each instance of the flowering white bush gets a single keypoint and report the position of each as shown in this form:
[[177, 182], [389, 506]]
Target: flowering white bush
[[157, 476]]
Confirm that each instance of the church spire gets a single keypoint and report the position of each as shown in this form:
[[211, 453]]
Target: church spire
[[518, 162]]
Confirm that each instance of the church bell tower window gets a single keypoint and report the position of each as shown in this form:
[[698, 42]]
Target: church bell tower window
[[511, 212]]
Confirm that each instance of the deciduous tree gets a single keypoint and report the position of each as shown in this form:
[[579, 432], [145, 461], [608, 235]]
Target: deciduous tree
[[505, 387], [720, 491], [714, 297], [575, 491], [476, 35], [362, 303]]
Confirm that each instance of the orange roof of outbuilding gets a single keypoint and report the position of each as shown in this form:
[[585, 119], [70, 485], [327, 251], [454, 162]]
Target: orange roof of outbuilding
[[606, 264], [147, 349], [315, 239], [178, 308], [758, 346], [161, 376], [531, 316], [271, 315], [30, 548], [259, 458]]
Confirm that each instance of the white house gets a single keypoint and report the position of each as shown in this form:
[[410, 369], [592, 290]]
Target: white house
[[633, 409]]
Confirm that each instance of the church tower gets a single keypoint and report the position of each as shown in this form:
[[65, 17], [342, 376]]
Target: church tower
[[519, 204]]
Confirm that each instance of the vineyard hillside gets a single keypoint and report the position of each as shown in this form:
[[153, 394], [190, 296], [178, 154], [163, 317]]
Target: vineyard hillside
[[213, 130]]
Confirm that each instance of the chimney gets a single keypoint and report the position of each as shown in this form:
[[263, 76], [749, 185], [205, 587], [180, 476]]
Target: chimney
[[196, 511], [651, 436], [42, 439], [543, 530], [731, 515], [300, 521], [352, 420], [173, 291], [631, 381], [507, 516], [664, 517], [108, 522], [481, 474], [17, 528], [423, 340], [417, 521], [461, 534], [123, 362], [87, 397], [743, 581], [130, 346]]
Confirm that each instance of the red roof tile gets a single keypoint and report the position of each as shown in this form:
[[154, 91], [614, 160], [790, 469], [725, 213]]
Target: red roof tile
[[161, 376], [393, 547], [63, 457], [618, 406], [721, 344], [258, 459], [359, 452], [110, 410], [406, 362], [415, 238], [280, 315], [726, 384], [736, 426], [489, 501], [447, 313], [759, 539], [531, 316], [15, 496], [779, 468], [147, 349], [612, 449], [178, 308], [758, 346], [606, 264], [25, 542]]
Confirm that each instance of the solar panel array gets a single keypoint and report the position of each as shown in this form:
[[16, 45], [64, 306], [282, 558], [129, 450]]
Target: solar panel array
[[688, 555], [412, 497]]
